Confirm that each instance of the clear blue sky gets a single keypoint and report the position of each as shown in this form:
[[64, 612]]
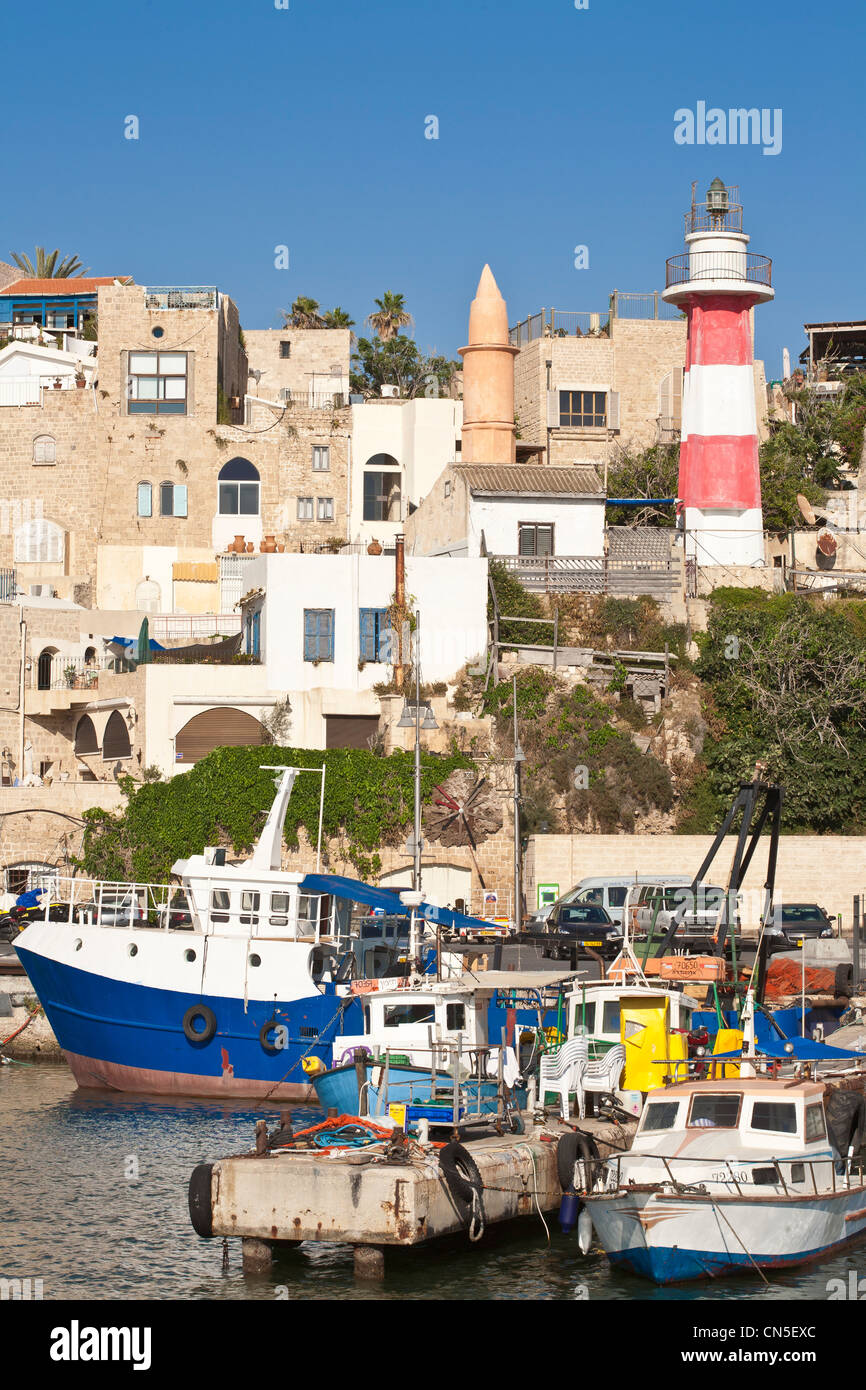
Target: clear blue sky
[[305, 126]]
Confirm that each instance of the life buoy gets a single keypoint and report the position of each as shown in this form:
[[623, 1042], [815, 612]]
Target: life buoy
[[265, 1036], [571, 1149], [199, 1035]]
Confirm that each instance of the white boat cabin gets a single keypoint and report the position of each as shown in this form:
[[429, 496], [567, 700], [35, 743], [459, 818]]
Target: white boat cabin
[[753, 1131], [423, 1023], [595, 1010]]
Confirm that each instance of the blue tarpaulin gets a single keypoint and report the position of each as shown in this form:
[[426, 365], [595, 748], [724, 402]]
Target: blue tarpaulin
[[389, 901], [131, 642], [804, 1050]]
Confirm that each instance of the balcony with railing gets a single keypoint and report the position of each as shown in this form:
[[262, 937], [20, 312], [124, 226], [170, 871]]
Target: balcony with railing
[[744, 267], [30, 390], [181, 297], [587, 323]]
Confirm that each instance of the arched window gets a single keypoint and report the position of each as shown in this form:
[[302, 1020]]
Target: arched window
[[89, 656], [85, 736], [44, 449], [239, 488], [381, 488], [145, 499], [43, 668], [40, 542], [115, 740], [223, 727]]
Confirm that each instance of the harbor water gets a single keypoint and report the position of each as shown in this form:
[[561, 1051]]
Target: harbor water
[[93, 1203]]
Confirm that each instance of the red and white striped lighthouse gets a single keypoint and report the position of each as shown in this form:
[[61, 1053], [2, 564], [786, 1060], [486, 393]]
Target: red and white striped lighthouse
[[716, 283]]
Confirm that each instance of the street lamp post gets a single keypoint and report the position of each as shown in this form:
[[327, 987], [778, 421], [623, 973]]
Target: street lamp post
[[406, 721]]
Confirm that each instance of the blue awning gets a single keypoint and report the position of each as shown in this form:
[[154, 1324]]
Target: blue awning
[[389, 901]]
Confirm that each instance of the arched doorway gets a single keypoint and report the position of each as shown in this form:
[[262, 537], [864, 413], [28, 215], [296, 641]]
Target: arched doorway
[[223, 727], [43, 668], [382, 495], [115, 740]]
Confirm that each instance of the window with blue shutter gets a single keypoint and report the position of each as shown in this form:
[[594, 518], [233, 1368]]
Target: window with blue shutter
[[318, 634], [373, 622], [145, 499]]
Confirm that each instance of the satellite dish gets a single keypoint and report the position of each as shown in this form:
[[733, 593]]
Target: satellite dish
[[806, 508]]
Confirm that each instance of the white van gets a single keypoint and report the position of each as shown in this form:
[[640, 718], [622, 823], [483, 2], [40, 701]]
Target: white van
[[608, 891]]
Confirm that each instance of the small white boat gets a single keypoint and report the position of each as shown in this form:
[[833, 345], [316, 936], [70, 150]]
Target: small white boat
[[740, 1174]]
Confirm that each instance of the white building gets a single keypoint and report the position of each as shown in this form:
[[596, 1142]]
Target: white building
[[26, 370], [399, 449], [510, 509]]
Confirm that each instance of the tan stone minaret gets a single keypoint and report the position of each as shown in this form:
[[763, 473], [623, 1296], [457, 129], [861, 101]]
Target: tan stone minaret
[[488, 379]]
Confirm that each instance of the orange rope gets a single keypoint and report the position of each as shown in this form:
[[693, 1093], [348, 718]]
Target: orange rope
[[29, 1019]]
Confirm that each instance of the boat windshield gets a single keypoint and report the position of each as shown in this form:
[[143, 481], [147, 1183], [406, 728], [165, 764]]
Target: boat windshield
[[715, 1112], [398, 1015], [660, 1114]]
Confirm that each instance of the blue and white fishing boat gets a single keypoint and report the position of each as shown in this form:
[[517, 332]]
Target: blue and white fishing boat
[[219, 984], [744, 1173]]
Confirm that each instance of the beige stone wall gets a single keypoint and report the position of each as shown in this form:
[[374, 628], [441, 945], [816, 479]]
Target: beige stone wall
[[828, 869], [440, 521], [102, 452], [45, 823], [633, 361], [314, 355]]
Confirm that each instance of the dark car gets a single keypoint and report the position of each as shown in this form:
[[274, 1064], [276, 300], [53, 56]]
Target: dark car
[[581, 927], [799, 922]]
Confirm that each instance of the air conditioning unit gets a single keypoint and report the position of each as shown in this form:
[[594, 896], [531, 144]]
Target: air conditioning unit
[[41, 591], [285, 393], [391, 392]]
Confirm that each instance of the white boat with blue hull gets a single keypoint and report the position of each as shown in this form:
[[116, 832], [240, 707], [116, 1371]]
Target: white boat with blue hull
[[221, 984], [739, 1174]]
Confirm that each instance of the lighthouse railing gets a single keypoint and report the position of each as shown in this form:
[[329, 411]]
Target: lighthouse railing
[[743, 266]]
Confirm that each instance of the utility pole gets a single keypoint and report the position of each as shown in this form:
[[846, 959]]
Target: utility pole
[[518, 873]]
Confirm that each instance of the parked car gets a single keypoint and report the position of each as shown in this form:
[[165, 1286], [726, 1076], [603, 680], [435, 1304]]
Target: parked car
[[115, 910], [586, 927], [16, 919], [799, 922], [607, 890]]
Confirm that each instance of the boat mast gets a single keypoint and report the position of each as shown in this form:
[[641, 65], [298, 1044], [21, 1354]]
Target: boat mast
[[267, 854]]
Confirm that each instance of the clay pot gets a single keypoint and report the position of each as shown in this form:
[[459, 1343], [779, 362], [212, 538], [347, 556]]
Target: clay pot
[[281, 550], [374, 548], [268, 545], [238, 545], [250, 547]]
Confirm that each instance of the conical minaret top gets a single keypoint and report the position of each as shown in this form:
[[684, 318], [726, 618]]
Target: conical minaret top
[[488, 379]]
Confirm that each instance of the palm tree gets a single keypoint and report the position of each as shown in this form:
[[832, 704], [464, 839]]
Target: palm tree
[[338, 318], [47, 267], [304, 313], [391, 315]]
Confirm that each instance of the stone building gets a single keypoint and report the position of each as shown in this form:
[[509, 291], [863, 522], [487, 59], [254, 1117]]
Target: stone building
[[125, 493], [585, 383]]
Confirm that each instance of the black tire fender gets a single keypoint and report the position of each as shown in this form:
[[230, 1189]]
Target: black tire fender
[[200, 1202], [205, 1034], [571, 1149], [461, 1174], [265, 1036]]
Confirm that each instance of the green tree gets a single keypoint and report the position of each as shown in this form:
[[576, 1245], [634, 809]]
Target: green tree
[[786, 470], [645, 473], [787, 677], [397, 362], [47, 266], [304, 313], [391, 315], [337, 318]]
